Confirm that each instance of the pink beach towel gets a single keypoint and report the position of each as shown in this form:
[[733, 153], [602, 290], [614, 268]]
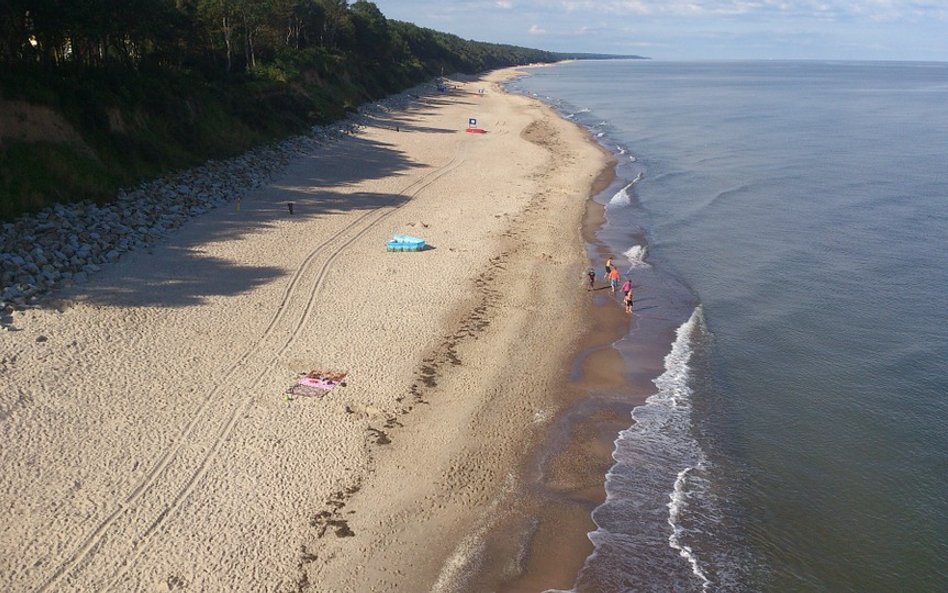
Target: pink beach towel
[[316, 384]]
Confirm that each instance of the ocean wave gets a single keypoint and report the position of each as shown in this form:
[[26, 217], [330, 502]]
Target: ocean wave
[[636, 256], [673, 416], [677, 504], [622, 197], [655, 490], [673, 383]]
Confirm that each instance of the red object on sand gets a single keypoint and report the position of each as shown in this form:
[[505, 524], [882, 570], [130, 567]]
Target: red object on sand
[[476, 131]]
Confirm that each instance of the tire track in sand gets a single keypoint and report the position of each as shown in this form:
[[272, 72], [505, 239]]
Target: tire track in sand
[[132, 504]]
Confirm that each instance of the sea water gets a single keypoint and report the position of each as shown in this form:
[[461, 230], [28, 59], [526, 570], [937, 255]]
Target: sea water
[[791, 218]]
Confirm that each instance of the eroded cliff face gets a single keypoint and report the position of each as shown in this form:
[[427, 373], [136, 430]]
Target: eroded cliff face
[[24, 122]]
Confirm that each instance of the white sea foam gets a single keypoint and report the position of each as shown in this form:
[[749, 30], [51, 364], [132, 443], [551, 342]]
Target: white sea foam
[[673, 383], [600, 134], [636, 256], [656, 454], [621, 197], [674, 389], [678, 502]]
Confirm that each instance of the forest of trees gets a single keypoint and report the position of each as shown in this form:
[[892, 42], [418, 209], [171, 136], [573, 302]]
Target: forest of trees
[[221, 37], [151, 86]]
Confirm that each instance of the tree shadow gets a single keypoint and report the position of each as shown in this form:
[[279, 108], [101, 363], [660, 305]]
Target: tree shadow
[[444, 100], [349, 161], [406, 120], [176, 271], [182, 275], [408, 127]]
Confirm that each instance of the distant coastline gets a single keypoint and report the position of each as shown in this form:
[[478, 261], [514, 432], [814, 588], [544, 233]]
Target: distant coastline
[[594, 56]]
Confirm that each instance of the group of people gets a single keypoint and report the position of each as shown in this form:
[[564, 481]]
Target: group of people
[[612, 275]]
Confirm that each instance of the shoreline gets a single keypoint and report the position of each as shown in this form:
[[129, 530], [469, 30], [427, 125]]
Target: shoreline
[[170, 457], [479, 559], [565, 472], [475, 424]]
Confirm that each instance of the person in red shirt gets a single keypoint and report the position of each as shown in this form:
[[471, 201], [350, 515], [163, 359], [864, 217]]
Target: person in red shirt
[[614, 279]]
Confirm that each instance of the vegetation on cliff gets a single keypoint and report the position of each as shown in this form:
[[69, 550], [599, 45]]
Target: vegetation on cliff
[[97, 95]]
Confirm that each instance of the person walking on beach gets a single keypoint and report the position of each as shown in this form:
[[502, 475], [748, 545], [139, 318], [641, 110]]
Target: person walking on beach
[[627, 301], [614, 279], [609, 268], [591, 275], [627, 287]]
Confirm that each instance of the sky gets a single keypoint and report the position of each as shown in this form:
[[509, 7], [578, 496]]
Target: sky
[[697, 29]]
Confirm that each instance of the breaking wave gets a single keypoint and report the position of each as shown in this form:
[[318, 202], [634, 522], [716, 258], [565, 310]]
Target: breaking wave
[[653, 515], [636, 256], [622, 197]]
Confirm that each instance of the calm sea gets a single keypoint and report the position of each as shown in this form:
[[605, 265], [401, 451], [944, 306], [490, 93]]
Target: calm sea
[[791, 219]]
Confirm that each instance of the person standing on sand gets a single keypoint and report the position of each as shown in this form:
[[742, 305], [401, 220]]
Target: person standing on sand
[[591, 274], [609, 268], [627, 301], [627, 287], [614, 279]]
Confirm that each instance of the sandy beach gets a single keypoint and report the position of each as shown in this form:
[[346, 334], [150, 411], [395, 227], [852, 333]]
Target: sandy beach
[[147, 444]]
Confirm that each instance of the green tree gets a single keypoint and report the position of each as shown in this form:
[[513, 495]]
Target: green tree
[[337, 23], [372, 36], [221, 16], [254, 14]]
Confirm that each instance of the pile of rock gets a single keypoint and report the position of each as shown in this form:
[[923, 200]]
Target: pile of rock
[[66, 243]]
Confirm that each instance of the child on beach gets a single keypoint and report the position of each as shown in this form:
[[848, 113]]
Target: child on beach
[[627, 287], [614, 279], [591, 275], [627, 301]]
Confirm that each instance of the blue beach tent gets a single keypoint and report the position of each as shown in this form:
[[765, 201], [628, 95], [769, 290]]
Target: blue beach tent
[[405, 243]]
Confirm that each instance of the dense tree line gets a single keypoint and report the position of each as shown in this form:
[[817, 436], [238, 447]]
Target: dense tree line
[[230, 36], [151, 86]]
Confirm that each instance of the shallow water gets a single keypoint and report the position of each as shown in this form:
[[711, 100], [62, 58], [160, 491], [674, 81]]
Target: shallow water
[[792, 217]]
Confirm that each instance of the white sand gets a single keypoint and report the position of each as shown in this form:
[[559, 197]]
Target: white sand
[[146, 445]]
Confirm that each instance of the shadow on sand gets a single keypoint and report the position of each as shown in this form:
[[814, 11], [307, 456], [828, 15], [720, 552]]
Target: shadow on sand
[[177, 273], [181, 275]]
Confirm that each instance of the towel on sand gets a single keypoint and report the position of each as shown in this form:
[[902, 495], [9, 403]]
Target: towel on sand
[[317, 383]]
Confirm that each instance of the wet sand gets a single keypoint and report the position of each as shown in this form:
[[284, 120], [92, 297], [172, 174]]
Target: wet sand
[[563, 478]]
